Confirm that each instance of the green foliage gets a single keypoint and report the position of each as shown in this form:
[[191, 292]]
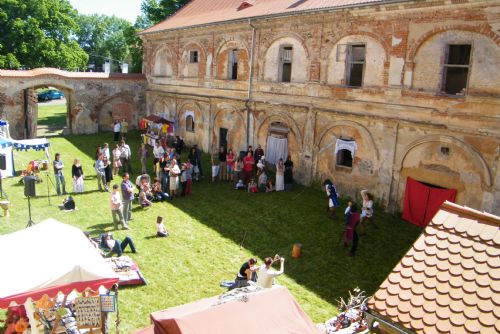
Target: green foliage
[[38, 33], [158, 10]]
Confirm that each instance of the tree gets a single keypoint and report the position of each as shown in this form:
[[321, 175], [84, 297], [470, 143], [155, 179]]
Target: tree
[[38, 33], [158, 10], [104, 37]]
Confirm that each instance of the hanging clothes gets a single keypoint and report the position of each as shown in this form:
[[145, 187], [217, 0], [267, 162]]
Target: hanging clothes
[[276, 149]]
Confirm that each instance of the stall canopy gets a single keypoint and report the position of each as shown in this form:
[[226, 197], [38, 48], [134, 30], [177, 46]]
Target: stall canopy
[[47, 258], [6, 151], [31, 144], [157, 119], [270, 311]]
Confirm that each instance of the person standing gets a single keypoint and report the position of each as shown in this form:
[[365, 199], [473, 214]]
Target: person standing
[[58, 173], [164, 171], [288, 175], [367, 210], [198, 154], [108, 174], [158, 152], [174, 173], [101, 174], [267, 274], [351, 235], [280, 175], [333, 199], [248, 163], [105, 151], [194, 161], [77, 174], [128, 197], [238, 168], [230, 165], [116, 130], [124, 129], [125, 156], [143, 156], [116, 208], [116, 159], [258, 154], [222, 164]]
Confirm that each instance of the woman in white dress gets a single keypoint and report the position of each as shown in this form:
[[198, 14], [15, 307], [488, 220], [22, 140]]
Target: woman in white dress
[[174, 173], [116, 159], [280, 180], [77, 174]]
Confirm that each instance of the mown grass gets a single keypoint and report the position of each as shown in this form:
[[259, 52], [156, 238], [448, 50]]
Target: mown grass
[[52, 115], [206, 231]]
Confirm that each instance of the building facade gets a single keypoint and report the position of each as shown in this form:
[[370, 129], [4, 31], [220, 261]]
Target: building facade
[[366, 94]]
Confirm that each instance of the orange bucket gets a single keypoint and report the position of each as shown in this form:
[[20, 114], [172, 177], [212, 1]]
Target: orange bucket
[[296, 250]]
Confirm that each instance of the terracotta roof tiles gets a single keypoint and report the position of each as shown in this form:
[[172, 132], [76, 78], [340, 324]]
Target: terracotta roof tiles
[[201, 12], [449, 281]]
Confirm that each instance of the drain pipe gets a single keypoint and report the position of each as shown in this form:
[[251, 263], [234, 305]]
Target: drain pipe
[[250, 81]]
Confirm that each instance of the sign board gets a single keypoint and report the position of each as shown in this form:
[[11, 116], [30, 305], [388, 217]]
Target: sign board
[[108, 303], [88, 312]]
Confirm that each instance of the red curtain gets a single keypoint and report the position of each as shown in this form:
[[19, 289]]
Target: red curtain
[[422, 202]]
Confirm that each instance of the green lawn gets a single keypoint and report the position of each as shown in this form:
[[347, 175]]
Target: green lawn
[[206, 230], [52, 115]]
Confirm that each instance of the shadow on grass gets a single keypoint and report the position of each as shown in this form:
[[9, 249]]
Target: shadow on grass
[[270, 223]]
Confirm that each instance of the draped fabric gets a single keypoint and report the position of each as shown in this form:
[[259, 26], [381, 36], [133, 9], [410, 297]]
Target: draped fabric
[[277, 148], [422, 202], [349, 145]]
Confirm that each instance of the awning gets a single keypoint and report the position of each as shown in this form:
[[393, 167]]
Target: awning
[[4, 143], [157, 119], [33, 144], [48, 258]]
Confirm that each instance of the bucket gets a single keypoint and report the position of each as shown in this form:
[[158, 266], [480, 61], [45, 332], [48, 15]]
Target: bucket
[[296, 250]]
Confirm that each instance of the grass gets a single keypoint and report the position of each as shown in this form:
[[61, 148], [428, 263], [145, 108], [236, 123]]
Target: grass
[[52, 115], [206, 230]]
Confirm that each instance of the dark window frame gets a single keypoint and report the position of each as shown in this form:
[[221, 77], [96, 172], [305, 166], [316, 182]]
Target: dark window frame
[[288, 62], [193, 57], [349, 62], [232, 66], [190, 123], [344, 159], [447, 67]]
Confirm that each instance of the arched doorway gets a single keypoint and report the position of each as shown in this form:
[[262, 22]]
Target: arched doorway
[[277, 142], [52, 116]]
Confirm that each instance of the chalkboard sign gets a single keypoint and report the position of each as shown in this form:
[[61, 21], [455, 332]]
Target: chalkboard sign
[[88, 312]]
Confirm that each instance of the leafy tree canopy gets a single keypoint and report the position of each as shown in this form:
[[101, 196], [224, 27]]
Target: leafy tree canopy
[[38, 33], [158, 10]]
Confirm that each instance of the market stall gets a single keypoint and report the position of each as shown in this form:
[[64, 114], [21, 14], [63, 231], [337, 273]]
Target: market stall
[[6, 153], [155, 128], [46, 263], [240, 310]]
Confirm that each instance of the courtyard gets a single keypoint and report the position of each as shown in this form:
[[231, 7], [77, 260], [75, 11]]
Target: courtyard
[[206, 232]]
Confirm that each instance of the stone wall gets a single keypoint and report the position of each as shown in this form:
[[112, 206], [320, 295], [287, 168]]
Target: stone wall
[[93, 99], [402, 122]]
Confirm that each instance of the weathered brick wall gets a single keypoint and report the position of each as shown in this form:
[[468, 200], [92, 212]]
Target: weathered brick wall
[[399, 118], [92, 102]]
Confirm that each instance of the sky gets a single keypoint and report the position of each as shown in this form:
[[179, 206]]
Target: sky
[[127, 9]]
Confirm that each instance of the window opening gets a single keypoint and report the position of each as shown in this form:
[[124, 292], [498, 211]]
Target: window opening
[[233, 64], [286, 54], [456, 69], [190, 123], [193, 56], [355, 64], [344, 158]]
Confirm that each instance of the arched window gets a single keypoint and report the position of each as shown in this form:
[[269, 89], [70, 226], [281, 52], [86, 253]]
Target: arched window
[[344, 158], [190, 123]]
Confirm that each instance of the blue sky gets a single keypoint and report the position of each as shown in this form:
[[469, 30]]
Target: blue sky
[[127, 9]]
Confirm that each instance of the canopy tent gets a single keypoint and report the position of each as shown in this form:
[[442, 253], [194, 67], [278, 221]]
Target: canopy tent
[[31, 144], [157, 119], [6, 151], [48, 258], [269, 311]]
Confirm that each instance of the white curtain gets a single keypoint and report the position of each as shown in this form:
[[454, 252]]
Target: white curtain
[[276, 148], [349, 145]]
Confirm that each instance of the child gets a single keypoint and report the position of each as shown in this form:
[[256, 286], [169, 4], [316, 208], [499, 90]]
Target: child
[[240, 185], [161, 231], [143, 200], [252, 187], [269, 186]]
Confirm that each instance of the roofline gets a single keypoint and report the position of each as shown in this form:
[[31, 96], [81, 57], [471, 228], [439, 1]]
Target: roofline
[[464, 210], [386, 321], [263, 17]]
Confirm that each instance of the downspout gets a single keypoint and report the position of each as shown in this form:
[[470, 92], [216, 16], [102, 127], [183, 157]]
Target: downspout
[[250, 82]]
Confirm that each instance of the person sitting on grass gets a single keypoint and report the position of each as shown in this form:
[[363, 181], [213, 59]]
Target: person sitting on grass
[[158, 194], [161, 231], [252, 187], [240, 185], [144, 202], [115, 246], [262, 180], [269, 186], [245, 274]]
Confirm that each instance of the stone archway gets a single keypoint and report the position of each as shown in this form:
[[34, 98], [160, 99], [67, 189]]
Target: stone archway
[[228, 117]]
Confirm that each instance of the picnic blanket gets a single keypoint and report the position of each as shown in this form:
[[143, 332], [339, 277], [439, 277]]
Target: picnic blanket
[[127, 270]]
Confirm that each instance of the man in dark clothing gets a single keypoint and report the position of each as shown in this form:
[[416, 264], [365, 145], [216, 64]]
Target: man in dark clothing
[[179, 146], [258, 154], [198, 153]]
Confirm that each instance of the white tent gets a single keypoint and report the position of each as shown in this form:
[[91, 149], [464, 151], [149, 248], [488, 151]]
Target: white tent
[[48, 258], [6, 151]]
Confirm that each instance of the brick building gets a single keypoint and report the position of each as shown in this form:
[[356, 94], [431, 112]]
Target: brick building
[[366, 92]]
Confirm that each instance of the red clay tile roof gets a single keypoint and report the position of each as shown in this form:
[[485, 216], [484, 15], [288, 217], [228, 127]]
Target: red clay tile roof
[[449, 281], [199, 12], [70, 75]]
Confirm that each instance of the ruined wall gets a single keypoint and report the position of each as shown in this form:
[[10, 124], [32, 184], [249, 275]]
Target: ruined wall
[[92, 102], [399, 118]]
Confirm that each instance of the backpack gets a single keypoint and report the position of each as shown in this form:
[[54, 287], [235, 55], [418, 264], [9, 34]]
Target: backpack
[[69, 203]]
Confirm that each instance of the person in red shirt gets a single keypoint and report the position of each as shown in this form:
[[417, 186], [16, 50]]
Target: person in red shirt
[[248, 163], [230, 164]]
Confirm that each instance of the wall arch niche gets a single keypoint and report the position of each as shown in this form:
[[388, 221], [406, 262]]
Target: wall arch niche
[[375, 57], [163, 63], [193, 61], [164, 108], [363, 171], [447, 163], [280, 128], [190, 112], [231, 120], [299, 60], [232, 62], [115, 108]]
